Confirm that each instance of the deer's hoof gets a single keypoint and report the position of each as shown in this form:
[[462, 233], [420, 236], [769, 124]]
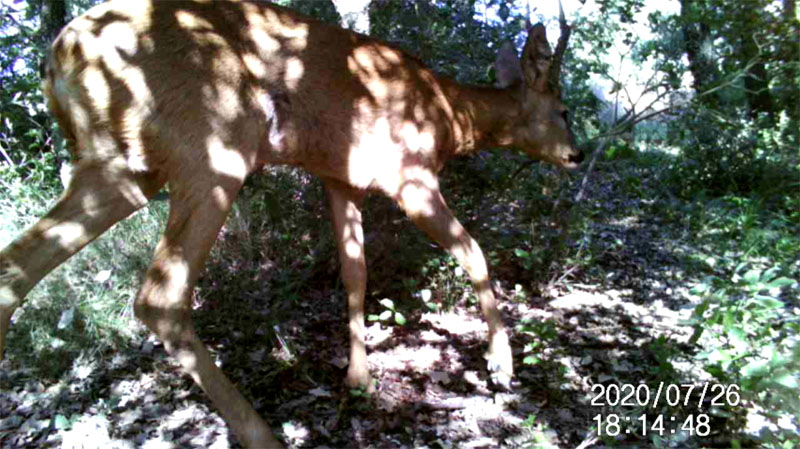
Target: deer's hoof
[[500, 365], [501, 379], [360, 378]]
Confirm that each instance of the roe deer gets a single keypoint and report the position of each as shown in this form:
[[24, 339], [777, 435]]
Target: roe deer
[[197, 95]]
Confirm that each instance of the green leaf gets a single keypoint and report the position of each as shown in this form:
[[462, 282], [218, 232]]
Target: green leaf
[[358, 392], [61, 422], [780, 282], [385, 315], [738, 338], [752, 276], [698, 331], [388, 303], [729, 320], [522, 253], [756, 368], [399, 318], [701, 308], [769, 302], [531, 360], [67, 316], [373, 318], [769, 274], [718, 355], [778, 361], [740, 267], [785, 379], [699, 289], [425, 294]]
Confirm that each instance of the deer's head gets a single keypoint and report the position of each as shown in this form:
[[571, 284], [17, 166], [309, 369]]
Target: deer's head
[[542, 126]]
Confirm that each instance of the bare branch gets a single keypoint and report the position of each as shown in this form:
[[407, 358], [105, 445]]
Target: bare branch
[[6, 156], [595, 154]]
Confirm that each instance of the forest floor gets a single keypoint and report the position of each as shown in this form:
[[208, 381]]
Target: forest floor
[[612, 316]]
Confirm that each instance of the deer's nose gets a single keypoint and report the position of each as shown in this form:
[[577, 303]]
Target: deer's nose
[[576, 158]]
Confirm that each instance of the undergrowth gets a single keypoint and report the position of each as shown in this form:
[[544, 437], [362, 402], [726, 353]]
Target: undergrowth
[[84, 307]]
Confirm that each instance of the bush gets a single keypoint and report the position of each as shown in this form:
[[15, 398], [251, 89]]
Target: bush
[[721, 155], [749, 331]]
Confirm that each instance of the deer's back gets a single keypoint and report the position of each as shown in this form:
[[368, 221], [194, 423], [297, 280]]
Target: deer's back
[[170, 82]]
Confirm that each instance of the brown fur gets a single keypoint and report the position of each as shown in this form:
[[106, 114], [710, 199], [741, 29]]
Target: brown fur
[[198, 95]]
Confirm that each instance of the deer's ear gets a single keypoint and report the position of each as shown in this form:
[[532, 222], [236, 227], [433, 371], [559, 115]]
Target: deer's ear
[[536, 58], [506, 66]]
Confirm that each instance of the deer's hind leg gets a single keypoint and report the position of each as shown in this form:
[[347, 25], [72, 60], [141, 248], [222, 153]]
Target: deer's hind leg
[[198, 208], [99, 195]]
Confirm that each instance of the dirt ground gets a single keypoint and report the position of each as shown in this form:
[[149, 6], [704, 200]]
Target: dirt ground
[[612, 325]]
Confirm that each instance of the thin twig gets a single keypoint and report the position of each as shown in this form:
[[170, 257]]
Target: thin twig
[[6, 157], [599, 149], [564, 223]]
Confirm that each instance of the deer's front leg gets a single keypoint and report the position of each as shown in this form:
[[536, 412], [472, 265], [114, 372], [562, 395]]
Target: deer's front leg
[[425, 205], [345, 205], [98, 197]]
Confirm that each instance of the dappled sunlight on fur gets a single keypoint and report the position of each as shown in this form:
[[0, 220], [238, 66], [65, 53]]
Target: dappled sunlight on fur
[[198, 95]]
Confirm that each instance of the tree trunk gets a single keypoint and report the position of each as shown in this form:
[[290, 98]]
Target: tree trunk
[[790, 9], [753, 25], [698, 45], [53, 17], [790, 49], [756, 81]]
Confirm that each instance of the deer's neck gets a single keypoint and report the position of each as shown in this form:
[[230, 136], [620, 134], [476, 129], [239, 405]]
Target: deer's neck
[[485, 115]]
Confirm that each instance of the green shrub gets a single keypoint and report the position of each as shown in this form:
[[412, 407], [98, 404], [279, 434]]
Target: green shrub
[[748, 327], [732, 154]]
